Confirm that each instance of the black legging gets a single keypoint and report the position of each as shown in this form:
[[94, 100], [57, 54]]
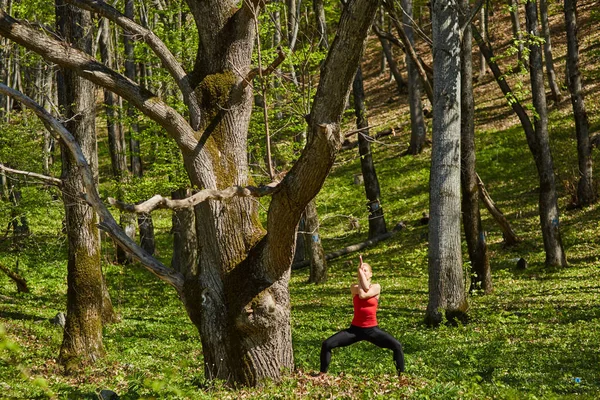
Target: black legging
[[355, 334]]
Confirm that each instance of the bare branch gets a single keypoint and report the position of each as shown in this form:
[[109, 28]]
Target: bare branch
[[388, 36], [48, 179], [87, 67], [107, 222], [158, 47], [267, 71], [159, 201]]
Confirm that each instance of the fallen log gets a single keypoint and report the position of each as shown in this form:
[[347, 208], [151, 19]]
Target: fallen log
[[352, 248], [510, 237], [20, 281]]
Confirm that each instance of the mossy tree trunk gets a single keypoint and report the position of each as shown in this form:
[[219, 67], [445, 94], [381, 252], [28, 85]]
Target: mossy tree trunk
[[82, 339], [446, 283], [239, 298]]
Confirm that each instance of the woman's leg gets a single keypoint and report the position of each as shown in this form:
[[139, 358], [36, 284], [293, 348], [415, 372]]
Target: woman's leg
[[383, 339], [340, 339]]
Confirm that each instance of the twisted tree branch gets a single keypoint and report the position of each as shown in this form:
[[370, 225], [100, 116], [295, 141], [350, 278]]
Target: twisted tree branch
[[107, 222], [159, 201]]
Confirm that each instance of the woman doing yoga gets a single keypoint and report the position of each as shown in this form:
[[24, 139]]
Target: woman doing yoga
[[365, 297]]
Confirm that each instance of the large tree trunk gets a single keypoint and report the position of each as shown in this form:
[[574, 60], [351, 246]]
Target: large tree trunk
[[239, 301], [318, 263], [82, 339], [556, 95], [585, 188], [549, 216], [376, 218], [446, 284], [481, 276], [417, 122]]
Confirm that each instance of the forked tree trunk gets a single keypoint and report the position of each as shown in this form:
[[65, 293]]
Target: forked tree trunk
[[551, 74], [391, 62], [239, 301], [549, 215], [446, 283], [318, 263], [585, 188], [481, 276], [82, 339], [417, 122], [376, 218]]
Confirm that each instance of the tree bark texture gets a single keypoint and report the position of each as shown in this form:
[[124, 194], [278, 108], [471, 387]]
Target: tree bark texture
[[483, 26], [446, 283], [417, 122], [549, 215], [318, 263], [550, 73], [372, 191], [585, 187], [481, 276], [82, 339], [239, 300]]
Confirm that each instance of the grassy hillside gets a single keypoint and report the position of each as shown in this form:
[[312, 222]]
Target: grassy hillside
[[536, 336]]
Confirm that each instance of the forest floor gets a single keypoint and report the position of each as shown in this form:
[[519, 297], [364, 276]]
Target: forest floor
[[536, 336]]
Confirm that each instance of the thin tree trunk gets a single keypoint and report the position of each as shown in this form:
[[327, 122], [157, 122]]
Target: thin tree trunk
[[185, 243], [318, 263], [18, 279], [549, 215], [516, 27], [585, 188], [411, 52], [391, 62], [381, 22], [481, 276], [372, 191], [551, 74], [446, 283], [482, 25], [417, 122], [321, 24], [82, 339]]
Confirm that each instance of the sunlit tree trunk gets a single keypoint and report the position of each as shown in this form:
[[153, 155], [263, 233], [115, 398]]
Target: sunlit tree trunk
[[82, 339], [549, 215], [446, 283]]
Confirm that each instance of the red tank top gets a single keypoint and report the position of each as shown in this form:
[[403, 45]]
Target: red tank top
[[365, 312]]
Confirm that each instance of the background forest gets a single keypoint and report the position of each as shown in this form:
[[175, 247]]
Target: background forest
[[529, 327]]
